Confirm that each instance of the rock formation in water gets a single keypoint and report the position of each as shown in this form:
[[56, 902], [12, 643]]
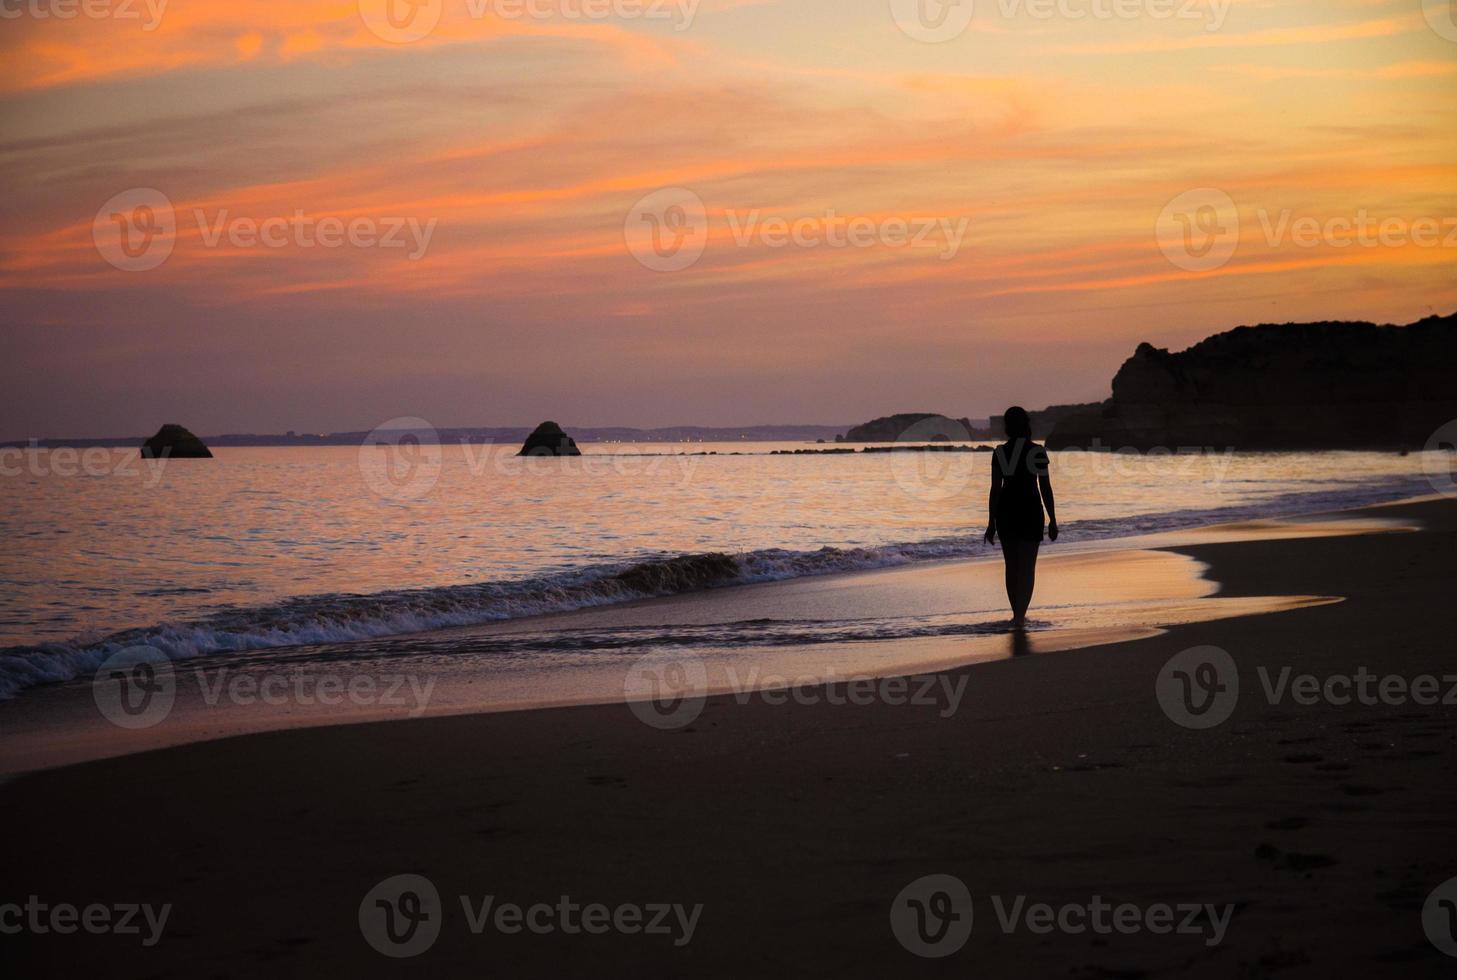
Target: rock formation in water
[[548, 439], [173, 441], [1281, 386], [913, 427]]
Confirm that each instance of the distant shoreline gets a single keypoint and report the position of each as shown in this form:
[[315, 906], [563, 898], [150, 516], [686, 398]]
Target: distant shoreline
[[479, 435]]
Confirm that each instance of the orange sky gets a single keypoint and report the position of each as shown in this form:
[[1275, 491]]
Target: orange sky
[[1044, 186]]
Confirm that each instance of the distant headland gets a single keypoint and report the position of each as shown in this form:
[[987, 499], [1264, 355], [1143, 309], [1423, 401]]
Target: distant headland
[[1331, 385]]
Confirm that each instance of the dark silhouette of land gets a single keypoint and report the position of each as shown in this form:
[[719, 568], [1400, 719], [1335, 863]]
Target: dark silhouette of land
[[1281, 386]]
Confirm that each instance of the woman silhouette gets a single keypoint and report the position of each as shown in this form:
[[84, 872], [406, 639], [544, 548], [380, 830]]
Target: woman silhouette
[[1021, 486]]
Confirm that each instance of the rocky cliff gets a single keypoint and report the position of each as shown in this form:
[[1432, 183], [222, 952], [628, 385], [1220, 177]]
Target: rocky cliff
[[1281, 386]]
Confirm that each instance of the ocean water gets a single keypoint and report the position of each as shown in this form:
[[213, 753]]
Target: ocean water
[[266, 548]]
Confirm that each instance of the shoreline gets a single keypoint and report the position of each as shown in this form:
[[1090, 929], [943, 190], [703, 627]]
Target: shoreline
[[59, 724], [794, 825], [1156, 587]]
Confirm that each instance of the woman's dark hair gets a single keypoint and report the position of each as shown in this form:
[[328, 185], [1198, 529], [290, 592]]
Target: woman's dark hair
[[1017, 423]]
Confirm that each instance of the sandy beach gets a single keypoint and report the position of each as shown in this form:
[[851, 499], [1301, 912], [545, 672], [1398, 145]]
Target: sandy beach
[[777, 833]]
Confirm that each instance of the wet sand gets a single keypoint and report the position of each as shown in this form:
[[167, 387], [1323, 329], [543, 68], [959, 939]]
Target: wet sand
[[1058, 777]]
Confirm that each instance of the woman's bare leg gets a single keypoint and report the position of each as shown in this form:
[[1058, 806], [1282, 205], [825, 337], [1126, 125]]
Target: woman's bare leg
[[1011, 562], [1021, 584]]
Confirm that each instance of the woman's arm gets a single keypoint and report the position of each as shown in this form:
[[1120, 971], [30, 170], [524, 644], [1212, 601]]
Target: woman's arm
[[991, 535], [1044, 484]]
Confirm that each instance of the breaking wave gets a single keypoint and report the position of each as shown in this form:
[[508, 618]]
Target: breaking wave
[[349, 617]]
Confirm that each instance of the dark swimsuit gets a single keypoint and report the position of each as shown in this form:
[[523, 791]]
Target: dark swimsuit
[[1018, 464]]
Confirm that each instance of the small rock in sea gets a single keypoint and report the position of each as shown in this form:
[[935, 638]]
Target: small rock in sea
[[173, 441], [548, 439]]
